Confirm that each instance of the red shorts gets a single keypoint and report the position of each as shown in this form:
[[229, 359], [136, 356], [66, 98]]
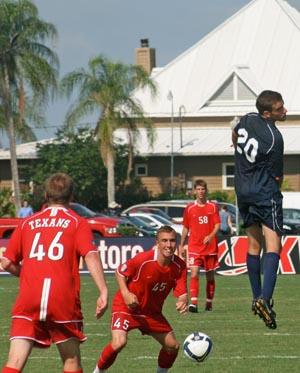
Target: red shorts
[[207, 262], [146, 324], [43, 333]]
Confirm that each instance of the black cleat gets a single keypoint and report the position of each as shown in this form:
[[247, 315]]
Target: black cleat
[[265, 311], [193, 308], [208, 306]]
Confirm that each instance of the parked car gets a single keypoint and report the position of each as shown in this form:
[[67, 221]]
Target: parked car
[[157, 221], [8, 225], [101, 226], [175, 208], [291, 221], [141, 227], [146, 209]]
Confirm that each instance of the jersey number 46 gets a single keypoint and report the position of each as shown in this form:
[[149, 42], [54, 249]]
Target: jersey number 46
[[55, 250]]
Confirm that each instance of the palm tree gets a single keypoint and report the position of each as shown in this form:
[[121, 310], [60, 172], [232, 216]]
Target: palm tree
[[26, 64], [106, 88]]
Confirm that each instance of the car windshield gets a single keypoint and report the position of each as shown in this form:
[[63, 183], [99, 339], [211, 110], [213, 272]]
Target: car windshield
[[148, 220], [139, 222], [82, 210], [293, 214], [161, 219], [160, 213]]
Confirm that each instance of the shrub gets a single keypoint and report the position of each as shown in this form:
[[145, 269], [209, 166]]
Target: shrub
[[7, 207]]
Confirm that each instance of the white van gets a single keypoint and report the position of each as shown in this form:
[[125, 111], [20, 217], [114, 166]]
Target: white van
[[291, 200]]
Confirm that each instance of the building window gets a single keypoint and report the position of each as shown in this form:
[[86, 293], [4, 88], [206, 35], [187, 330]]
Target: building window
[[141, 169], [22, 172], [228, 175]]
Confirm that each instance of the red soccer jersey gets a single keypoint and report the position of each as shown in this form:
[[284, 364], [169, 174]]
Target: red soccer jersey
[[200, 220], [50, 244], [151, 282]]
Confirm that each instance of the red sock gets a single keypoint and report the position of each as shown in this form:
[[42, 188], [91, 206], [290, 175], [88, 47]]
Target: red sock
[[10, 370], [194, 289], [166, 359], [107, 357], [77, 371], [210, 290]]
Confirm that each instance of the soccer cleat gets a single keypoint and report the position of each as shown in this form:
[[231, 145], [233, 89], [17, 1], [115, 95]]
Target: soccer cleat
[[264, 310], [193, 308], [208, 306]]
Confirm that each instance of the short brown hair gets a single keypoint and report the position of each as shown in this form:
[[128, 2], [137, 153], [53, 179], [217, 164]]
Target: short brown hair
[[266, 100], [165, 229], [200, 182], [59, 188]]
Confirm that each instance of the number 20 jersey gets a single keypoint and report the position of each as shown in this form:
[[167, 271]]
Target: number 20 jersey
[[258, 158], [50, 244]]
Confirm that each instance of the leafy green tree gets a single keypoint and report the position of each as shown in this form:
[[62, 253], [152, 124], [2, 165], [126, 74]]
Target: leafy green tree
[[26, 64], [105, 88], [7, 208], [77, 154]]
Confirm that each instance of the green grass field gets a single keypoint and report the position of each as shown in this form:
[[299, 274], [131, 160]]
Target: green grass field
[[241, 341]]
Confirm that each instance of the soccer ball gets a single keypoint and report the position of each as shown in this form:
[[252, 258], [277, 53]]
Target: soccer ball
[[197, 346]]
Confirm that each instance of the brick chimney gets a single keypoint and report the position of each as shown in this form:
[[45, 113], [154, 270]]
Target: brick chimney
[[145, 56]]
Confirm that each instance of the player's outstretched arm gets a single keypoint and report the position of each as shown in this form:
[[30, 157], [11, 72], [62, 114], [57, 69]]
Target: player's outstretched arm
[[130, 299], [10, 267], [95, 268], [182, 304]]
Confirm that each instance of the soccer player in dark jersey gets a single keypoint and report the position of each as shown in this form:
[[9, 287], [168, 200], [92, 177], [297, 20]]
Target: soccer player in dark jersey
[[44, 251], [258, 178], [144, 283], [201, 221]]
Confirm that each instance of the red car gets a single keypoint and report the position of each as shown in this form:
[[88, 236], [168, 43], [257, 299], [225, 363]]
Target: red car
[[101, 225]]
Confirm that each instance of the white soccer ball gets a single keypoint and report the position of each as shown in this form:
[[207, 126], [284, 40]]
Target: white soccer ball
[[197, 346]]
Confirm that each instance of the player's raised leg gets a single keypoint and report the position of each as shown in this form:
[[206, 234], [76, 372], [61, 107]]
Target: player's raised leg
[[168, 352], [255, 238], [271, 262]]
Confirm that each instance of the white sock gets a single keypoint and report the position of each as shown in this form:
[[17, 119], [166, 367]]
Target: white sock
[[162, 370], [97, 370]]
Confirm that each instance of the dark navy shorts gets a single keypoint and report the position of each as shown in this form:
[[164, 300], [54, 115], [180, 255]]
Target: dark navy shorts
[[267, 212]]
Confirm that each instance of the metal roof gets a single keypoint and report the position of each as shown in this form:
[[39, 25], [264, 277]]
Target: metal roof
[[260, 44], [25, 151], [191, 141], [201, 141]]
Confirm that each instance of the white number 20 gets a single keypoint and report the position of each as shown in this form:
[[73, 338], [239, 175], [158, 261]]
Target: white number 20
[[251, 145], [55, 250]]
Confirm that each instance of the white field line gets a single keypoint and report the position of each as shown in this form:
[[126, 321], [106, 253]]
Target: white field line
[[253, 357]]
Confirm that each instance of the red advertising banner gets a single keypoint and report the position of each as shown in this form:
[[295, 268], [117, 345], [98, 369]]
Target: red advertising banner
[[232, 253]]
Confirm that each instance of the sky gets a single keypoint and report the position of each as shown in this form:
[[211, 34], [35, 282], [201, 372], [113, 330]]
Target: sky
[[114, 28]]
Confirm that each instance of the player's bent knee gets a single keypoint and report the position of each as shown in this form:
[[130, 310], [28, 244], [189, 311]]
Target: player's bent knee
[[172, 347], [119, 343]]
